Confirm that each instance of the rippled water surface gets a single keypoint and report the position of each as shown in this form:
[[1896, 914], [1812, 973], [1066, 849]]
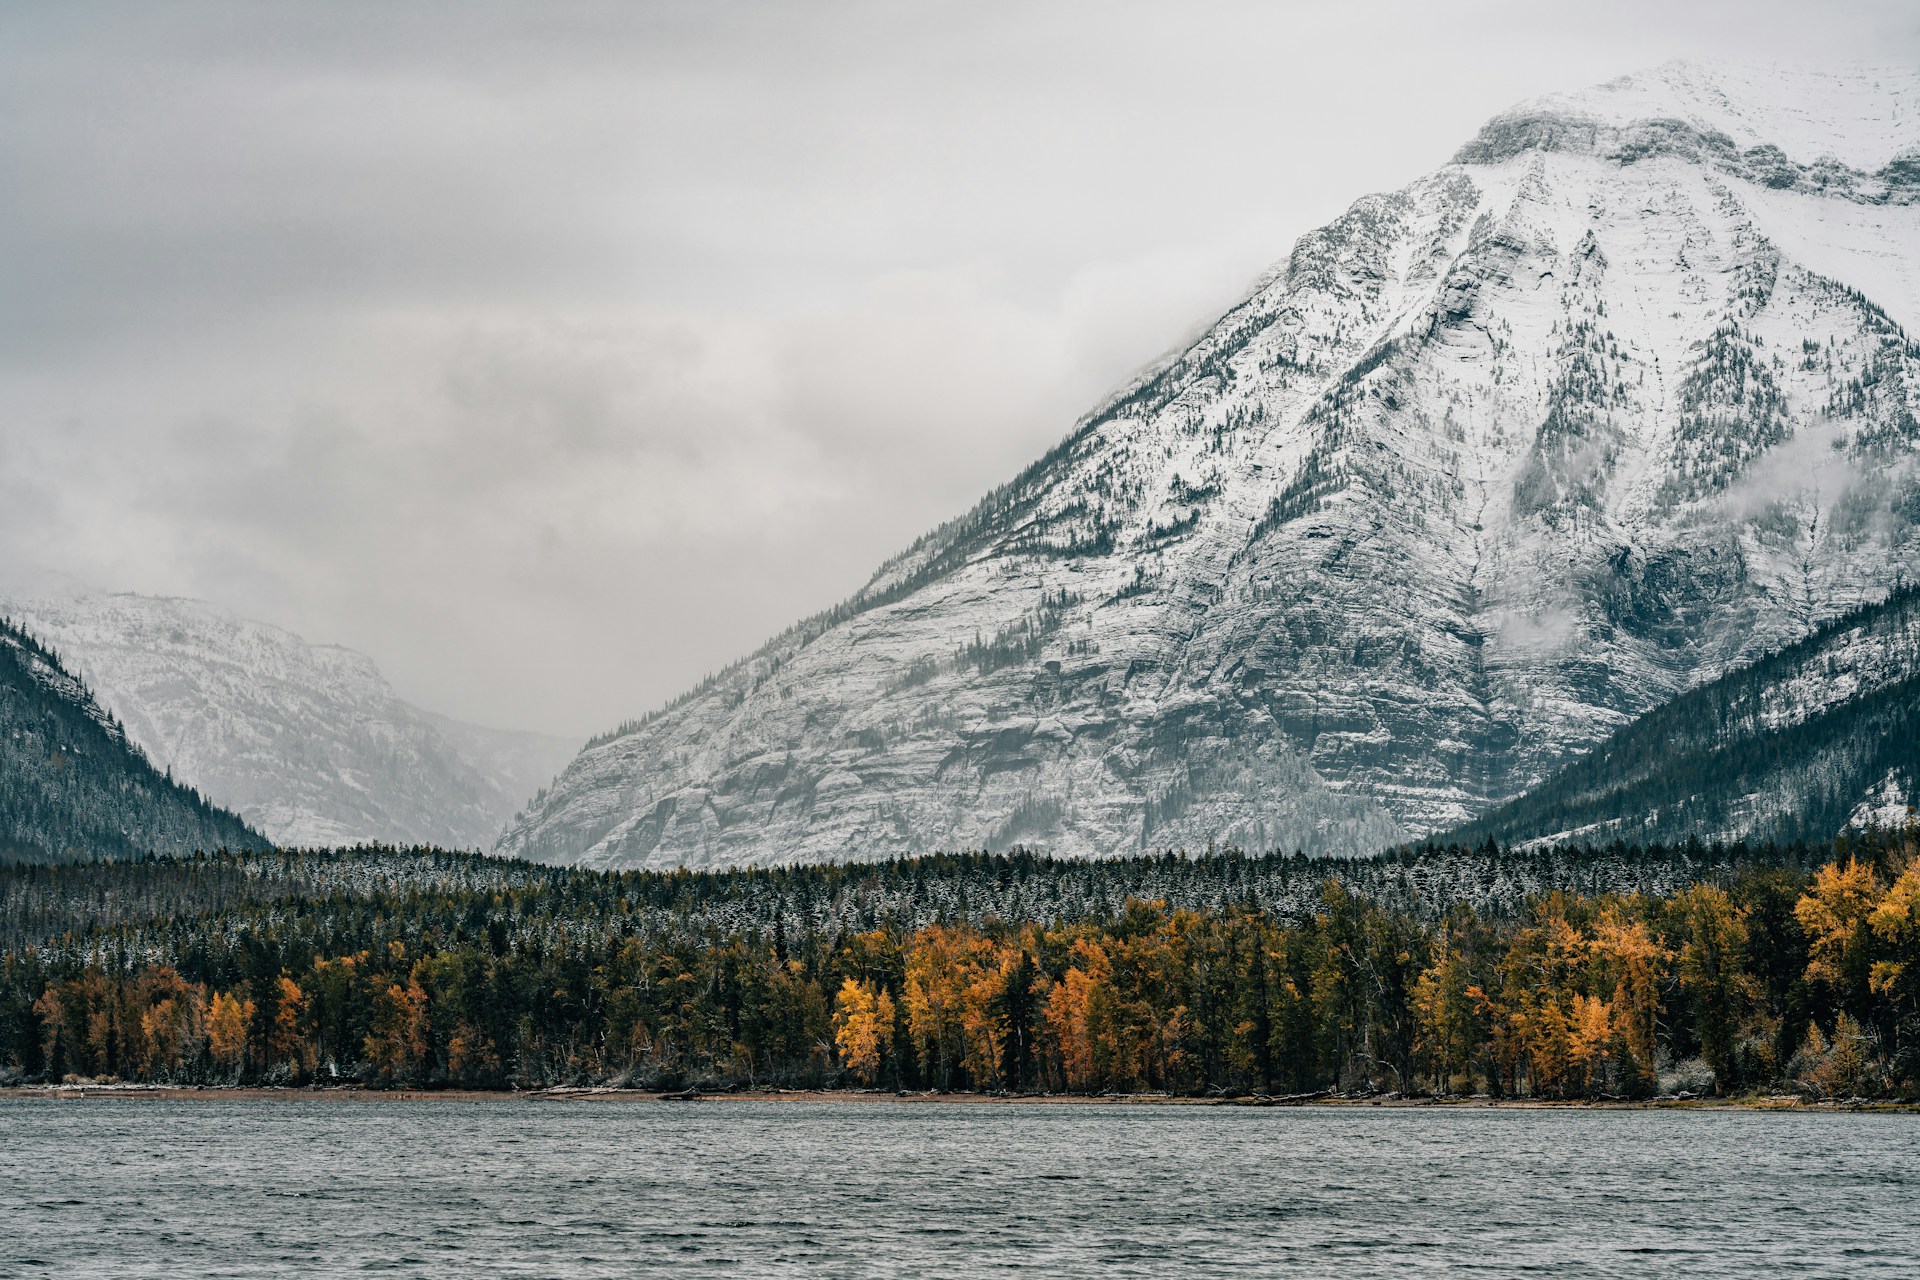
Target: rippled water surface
[[477, 1189]]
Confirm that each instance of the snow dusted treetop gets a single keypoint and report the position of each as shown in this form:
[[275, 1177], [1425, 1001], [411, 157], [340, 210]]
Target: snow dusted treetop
[[1484, 469]]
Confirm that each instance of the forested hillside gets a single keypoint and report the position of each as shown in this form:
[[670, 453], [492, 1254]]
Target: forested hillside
[[72, 786], [1799, 745], [1588, 972], [307, 742]]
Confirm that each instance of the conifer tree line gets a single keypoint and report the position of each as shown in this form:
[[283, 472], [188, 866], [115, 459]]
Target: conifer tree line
[[82, 903], [1782, 969]]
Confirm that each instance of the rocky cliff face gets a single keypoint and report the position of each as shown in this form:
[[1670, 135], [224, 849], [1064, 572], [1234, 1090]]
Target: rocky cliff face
[[307, 742], [1483, 470]]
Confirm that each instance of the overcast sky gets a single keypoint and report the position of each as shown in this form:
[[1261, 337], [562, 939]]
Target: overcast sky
[[555, 355]]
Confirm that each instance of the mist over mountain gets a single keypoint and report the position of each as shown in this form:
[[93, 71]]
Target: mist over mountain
[[71, 784], [1617, 400], [307, 742]]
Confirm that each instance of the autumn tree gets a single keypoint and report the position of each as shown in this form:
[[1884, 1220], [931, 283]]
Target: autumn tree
[[172, 1028], [228, 1017], [1629, 965], [288, 1043], [1895, 973], [1834, 913], [1074, 1013], [1449, 1007], [862, 1027], [397, 1043]]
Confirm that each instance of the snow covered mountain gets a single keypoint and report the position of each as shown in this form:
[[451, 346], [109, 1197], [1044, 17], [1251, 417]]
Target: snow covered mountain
[[1486, 468], [72, 786], [1802, 744], [307, 742]]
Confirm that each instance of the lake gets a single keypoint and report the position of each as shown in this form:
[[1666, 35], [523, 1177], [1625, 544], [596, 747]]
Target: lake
[[525, 1188]]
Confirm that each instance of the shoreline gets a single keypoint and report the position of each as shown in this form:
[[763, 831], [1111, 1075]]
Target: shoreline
[[351, 1093]]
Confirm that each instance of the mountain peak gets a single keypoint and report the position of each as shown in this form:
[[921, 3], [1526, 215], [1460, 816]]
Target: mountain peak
[[1862, 116], [1491, 466]]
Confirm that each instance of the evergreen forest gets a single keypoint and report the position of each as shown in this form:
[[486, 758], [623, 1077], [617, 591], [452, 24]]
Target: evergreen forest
[[1574, 973]]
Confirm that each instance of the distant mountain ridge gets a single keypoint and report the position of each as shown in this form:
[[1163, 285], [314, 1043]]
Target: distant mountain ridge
[[72, 786], [1489, 466], [1800, 745], [307, 742]]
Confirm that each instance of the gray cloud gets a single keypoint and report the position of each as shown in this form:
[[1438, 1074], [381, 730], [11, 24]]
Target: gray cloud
[[557, 354]]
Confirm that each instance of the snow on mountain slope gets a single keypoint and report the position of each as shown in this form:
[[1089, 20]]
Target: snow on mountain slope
[[72, 786], [1488, 467], [1863, 117], [1801, 744], [307, 742], [519, 763]]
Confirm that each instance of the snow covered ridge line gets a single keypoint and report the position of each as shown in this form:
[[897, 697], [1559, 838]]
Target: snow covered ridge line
[[1509, 136], [1485, 469], [1861, 116]]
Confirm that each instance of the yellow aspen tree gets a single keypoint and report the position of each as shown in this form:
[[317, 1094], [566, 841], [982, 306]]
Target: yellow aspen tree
[[288, 1042], [161, 996], [1895, 921], [471, 1054], [105, 1034], [1063, 1014], [227, 1020], [1630, 954], [1834, 911], [1069, 1016], [418, 1043], [1544, 1032], [158, 1048], [174, 1026], [1447, 1012], [939, 970], [862, 1027], [398, 1045], [982, 978], [1848, 1069], [1590, 1039]]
